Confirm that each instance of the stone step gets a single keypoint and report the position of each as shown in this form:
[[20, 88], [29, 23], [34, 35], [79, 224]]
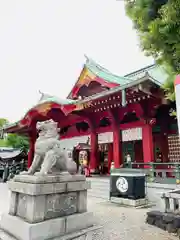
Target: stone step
[[99, 188], [98, 193]]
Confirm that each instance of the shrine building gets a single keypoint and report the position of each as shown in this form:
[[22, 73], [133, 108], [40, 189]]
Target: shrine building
[[116, 115]]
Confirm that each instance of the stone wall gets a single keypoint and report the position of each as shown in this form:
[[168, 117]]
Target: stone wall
[[169, 218], [166, 221]]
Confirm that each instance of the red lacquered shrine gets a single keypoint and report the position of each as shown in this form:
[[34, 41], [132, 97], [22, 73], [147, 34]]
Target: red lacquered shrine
[[119, 116]]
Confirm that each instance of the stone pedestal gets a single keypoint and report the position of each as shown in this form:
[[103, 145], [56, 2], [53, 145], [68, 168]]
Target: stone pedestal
[[47, 207], [129, 202]]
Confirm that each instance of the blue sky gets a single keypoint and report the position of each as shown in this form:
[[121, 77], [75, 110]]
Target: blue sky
[[42, 47]]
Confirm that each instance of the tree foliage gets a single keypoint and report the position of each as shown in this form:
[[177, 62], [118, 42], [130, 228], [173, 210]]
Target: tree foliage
[[158, 25], [3, 122], [17, 141], [13, 140], [168, 87]]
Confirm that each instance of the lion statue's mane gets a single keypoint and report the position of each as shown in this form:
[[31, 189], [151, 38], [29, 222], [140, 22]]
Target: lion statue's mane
[[48, 155]]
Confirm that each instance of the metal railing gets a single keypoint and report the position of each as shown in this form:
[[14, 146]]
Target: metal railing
[[10, 170], [168, 172]]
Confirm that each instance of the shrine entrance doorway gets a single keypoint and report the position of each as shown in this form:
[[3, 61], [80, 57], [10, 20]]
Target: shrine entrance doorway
[[132, 146], [103, 158], [128, 149]]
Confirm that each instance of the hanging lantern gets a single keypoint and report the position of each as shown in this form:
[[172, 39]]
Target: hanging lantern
[[152, 121]]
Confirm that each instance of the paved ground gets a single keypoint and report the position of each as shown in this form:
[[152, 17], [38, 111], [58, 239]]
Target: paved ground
[[118, 222]]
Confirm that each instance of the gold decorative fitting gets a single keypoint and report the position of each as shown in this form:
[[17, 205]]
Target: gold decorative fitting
[[87, 105], [43, 109], [82, 106]]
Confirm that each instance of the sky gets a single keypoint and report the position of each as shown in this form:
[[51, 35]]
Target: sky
[[43, 43]]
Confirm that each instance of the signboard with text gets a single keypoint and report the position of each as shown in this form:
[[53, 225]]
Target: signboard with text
[[105, 137], [132, 134]]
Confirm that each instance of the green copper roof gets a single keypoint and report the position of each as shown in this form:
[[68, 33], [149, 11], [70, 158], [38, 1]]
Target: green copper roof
[[104, 73], [48, 98], [119, 88], [155, 71]]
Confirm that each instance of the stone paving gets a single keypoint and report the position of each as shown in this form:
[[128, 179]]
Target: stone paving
[[118, 222]]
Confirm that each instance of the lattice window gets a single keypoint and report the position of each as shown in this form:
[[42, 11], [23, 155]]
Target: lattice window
[[174, 148]]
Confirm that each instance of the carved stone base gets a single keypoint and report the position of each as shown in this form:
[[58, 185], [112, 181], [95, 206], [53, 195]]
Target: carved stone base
[[86, 234], [46, 207], [129, 202], [49, 229]]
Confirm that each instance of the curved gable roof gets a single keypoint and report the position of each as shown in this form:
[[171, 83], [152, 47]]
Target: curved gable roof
[[104, 73], [94, 72]]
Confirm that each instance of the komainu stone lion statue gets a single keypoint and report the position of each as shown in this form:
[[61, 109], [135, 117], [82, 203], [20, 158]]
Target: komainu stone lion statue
[[48, 156]]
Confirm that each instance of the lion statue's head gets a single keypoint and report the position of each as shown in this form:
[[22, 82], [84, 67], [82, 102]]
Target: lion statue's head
[[47, 129]]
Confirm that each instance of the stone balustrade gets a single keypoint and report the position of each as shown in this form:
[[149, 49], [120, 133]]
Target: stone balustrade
[[169, 218], [171, 201]]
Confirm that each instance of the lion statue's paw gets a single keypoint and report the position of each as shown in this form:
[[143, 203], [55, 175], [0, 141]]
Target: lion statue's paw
[[25, 173], [41, 174]]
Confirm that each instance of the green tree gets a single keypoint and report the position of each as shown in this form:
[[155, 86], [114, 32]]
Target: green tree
[[3, 122], [13, 140], [169, 90], [158, 25], [17, 141]]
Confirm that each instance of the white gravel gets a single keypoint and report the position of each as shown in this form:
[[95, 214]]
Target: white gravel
[[124, 223]]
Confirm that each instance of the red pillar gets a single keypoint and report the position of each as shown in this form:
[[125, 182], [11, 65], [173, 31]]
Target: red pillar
[[94, 152], [32, 140], [110, 155], [148, 145], [116, 147]]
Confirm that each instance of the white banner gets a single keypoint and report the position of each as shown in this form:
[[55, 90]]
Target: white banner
[[105, 137], [132, 134]]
